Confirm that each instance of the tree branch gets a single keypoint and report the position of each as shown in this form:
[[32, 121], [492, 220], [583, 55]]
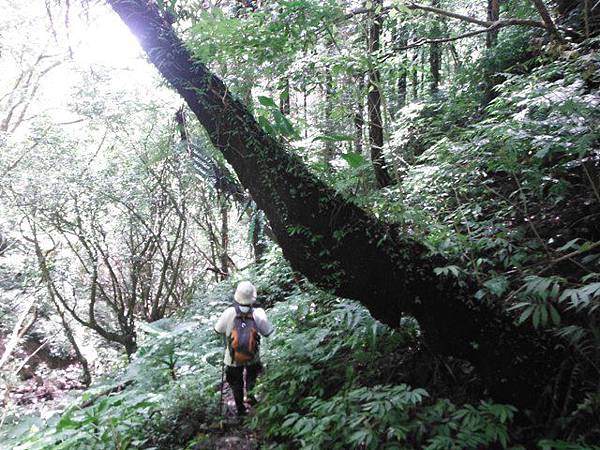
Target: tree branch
[[14, 339], [545, 15], [453, 15], [425, 41]]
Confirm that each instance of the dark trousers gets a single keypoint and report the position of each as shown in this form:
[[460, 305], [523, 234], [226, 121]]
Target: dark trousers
[[235, 378]]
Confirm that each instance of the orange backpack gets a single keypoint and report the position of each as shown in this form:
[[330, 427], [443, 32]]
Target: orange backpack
[[244, 339]]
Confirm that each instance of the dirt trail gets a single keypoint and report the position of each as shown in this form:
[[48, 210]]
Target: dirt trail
[[229, 433]]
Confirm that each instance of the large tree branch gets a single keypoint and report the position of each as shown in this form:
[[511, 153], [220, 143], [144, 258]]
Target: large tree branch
[[452, 15], [490, 26], [425, 41], [471, 19]]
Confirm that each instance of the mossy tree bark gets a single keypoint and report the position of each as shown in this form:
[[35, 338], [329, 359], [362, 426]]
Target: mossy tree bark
[[336, 244]]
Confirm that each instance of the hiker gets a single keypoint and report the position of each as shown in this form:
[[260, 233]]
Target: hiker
[[243, 325]]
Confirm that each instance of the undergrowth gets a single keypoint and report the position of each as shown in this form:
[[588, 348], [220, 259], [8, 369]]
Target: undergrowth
[[334, 378], [500, 195], [325, 387], [162, 399]]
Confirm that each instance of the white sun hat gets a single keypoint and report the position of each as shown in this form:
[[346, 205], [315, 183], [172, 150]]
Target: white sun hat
[[245, 294]]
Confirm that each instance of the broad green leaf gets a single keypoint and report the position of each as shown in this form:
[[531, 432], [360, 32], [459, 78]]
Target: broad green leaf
[[354, 160], [497, 285], [267, 101]]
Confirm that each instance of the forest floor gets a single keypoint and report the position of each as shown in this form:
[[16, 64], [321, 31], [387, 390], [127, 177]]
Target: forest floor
[[229, 433], [45, 391]]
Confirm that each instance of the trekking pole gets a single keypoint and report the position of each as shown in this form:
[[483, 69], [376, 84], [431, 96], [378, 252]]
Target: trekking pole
[[222, 382]]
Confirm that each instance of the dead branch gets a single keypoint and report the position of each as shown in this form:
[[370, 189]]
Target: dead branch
[[118, 388], [14, 339]]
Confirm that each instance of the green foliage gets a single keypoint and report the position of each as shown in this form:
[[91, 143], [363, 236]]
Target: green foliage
[[327, 383], [270, 35], [485, 193], [498, 175], [115, 421], [160, 400], [547, 444], [509, 196], [321, 387], [273, 121], [273, 277], [389, 416]]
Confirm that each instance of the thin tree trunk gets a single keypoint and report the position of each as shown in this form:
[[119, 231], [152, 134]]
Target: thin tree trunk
[[86, 378], [305, 108], [455, 58], [224, 256], [374, 99], [415, 75], [434, 66], [284, 97], [435, 56], [359, 121], [258, 237], [493, 15], [422, 73], [402, 83], [329, 147], [401, 40], [17, 332], [586, 18], [547, 19]]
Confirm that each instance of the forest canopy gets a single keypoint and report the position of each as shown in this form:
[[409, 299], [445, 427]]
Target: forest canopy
[[414, 188]]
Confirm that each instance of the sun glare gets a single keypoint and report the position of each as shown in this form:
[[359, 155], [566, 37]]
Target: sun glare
[[98, 43], [107, 41]]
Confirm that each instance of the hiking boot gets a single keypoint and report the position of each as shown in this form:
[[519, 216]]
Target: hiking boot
[[252, 400]]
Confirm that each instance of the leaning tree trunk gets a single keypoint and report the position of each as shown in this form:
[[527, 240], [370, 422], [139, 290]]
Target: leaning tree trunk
[[547, 19], [336, 244]]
